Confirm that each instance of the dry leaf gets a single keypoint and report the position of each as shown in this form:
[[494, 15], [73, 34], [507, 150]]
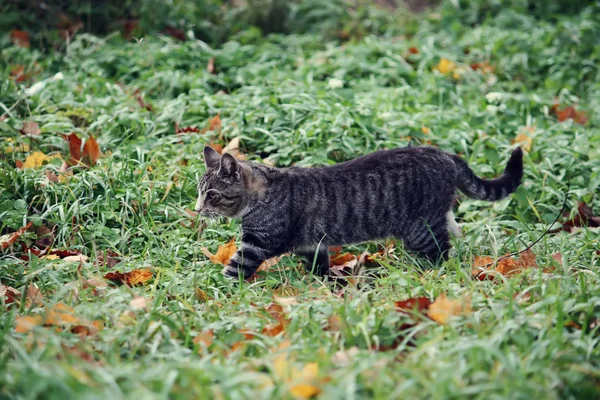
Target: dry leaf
[[91, 151], [10, 294], [132, 278], [304, 390], [76, 258], [30, 128], [233, 148], [74, 143], [524, 140], [60, 315], [204, 338], [483, 66], [570, 113], [417, 304], [10, 238], [334, 323], [25, 323], [210, 67], [224, 253], [584, 217], [214, 124], [342, 358], [285, 301], [138, 303], [507, 267], [34, 296], [267, 264], [442, 309], [36, 159], [19, 38], [445, 66]]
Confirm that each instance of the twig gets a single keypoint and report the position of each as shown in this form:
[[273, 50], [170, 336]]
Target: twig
[[562, 209]]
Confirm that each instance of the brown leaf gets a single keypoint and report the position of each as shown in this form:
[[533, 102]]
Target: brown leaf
[[418, 304], [413, 50], [74, 148], [19, 38], [10, 238], [224, 253], [204, 339], [186, 129], [132, 278], [10, 294], [211, 66], [442, 309], [214, 124], [138, 303], [524, 140], [334, 323], [19, 164], [34, 296], [60, 315], [30, 128], [341, 261], [174, 32], [141, 101], [584, 217], [570, 113], [91, 151]]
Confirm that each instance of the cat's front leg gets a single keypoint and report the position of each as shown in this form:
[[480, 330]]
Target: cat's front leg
[[246, 260]]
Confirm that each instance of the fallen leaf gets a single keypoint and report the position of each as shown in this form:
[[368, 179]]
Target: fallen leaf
[[233, 148], [138, 303], [224, 253], [342, 358], [74, 143], [415, 304], [210, 67], [10, 238], [132, 278], [10, 294], [60, 315], [570, 113], [34, 296], [214, 124], [76, 258], [141, 101], [483, 66], [413, 50], [30, 128], [26, 323], [445, 66], [19, 164], [304, 390], [443, 309], [507, 267], [36, 159], [524, 140], [204, 338], [584, 217], [267, 264], [334, 324], [19, 38], [186, 129], [91, 151], [285, 301]]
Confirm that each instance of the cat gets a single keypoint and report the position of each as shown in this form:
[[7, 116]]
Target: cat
[[405, 193]]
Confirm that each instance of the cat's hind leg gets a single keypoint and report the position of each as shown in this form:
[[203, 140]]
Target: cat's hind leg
[[316, 259], [429, 238]]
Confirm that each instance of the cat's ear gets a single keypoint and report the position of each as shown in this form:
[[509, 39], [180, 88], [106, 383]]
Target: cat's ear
[[230, 167], [211, 157]]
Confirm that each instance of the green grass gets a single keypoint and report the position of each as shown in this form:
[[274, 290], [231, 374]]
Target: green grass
[[275, 93]]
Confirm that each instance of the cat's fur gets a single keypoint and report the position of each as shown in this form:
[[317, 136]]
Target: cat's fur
[[405, 193]]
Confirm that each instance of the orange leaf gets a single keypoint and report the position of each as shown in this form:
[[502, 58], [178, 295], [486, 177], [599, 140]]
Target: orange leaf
[[224, 253], [19, 38], [414, 304], [132, 278], [91, 151], [341, 261], [442, 309], [524, 140], [26, 323], [413, 50], [10, 238], [274, 329], [61, 314], [204, 338], [216, 147], [74, 148], [305, 390], [214, 124], [570, 113]]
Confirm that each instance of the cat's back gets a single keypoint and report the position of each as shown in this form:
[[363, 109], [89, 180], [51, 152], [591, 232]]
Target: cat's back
[[414, 158]]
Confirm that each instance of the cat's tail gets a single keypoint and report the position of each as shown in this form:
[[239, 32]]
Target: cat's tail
[[494, 189]]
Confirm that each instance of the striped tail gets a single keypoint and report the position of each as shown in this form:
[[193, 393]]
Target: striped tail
[[494, 189]]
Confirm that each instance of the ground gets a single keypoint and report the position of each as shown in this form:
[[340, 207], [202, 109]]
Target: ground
[[178, 329]]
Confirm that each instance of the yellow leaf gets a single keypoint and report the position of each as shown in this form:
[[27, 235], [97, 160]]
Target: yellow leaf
[[445, 66], [443, 308], [304, 391], [224, 253], [27, 323], [425, 130], [35, 159], [524, 141], [50, 257]]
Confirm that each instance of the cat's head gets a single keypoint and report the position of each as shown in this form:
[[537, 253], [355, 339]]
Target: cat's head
[[222, 190]]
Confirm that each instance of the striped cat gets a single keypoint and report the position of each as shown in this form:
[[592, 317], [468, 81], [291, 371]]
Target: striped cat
[[405, 193]]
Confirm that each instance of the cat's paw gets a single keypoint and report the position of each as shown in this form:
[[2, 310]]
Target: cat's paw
[[231, 273]]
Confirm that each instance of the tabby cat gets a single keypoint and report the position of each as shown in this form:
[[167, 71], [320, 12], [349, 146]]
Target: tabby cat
[[406, 193]]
